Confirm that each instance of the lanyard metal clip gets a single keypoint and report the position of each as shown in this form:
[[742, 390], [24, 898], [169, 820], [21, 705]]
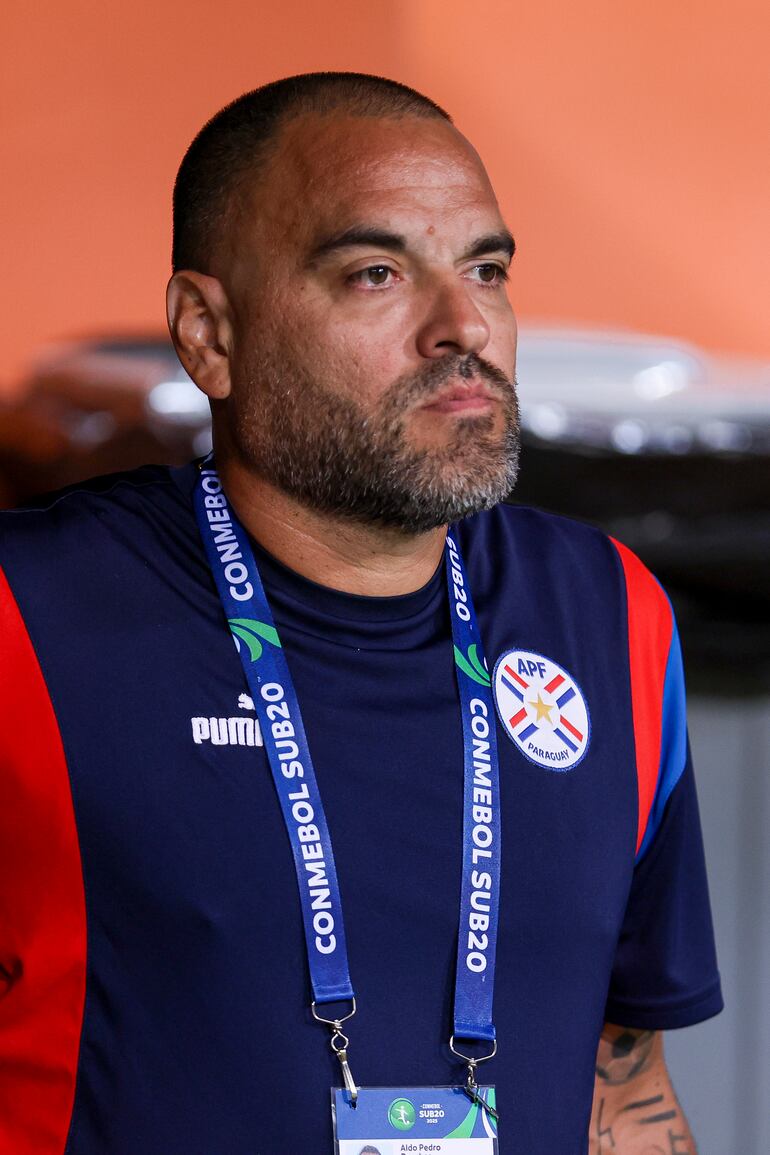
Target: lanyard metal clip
[[339, 1043], [471, 1087]]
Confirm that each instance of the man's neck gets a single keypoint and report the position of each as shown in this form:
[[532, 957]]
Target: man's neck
[[334, 552]]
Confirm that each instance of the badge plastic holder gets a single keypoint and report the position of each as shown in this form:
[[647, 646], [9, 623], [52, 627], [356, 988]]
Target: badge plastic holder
[[414, 1121]]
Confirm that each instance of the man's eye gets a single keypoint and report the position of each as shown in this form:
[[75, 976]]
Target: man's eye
[[373, 277], [490, 274]]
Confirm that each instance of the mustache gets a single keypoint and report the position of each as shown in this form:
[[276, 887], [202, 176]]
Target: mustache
[[426, 382]]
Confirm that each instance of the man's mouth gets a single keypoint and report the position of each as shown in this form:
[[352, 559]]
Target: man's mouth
[[467, 398]]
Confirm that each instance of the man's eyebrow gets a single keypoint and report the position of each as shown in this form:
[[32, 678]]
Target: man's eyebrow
[[358, 235], [501, 242], [366, 236]]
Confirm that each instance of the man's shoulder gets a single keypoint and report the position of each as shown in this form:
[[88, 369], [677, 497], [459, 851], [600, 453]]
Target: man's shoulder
[[82, 499], [91, 507], [541, 559], [520, 548], [92, 524], [524, 531]]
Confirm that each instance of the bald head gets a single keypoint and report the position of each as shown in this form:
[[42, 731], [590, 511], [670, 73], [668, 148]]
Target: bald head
[[229, 154]]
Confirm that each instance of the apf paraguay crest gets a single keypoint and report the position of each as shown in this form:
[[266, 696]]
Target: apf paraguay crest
[[542, 709]]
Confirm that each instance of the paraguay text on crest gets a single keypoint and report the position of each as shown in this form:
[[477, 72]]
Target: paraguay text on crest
[[542, 709]]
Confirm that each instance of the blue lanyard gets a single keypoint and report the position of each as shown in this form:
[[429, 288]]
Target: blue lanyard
[[249, 617]]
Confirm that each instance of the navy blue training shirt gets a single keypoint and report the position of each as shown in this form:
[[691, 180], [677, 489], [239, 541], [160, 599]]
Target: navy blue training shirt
[[158, 999]]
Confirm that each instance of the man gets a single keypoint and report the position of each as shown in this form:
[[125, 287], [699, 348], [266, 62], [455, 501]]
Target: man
[[339, 294]]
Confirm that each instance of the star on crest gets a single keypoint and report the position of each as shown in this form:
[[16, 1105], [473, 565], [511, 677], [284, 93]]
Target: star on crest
[[543, 709]]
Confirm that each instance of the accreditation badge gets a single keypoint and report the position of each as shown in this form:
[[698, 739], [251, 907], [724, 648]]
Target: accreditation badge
[[415, 1121]]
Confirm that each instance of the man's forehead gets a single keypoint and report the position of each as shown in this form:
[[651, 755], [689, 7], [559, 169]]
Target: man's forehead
[[326, 171]]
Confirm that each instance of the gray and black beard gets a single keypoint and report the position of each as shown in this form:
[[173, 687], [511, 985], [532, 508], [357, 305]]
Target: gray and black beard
[[323, 450]]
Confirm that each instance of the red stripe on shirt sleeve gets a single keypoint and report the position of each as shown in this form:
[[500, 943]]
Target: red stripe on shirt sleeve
[[650, 629], [42, 907]]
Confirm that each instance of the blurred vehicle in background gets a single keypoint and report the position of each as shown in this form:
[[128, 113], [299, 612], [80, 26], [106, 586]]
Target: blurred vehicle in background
[[85, 409], [668, 450], [661, 445]]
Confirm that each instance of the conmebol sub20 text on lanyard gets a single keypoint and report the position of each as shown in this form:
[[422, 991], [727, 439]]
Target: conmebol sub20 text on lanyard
[[373, 1113]]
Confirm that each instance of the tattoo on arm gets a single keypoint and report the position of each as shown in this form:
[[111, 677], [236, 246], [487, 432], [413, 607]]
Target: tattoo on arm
[[640, 1103], [624, 1056], [604, 1134], [604, 1143], [630, 1063]]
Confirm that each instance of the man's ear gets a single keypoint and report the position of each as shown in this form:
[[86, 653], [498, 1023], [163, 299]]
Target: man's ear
[[199, 320]]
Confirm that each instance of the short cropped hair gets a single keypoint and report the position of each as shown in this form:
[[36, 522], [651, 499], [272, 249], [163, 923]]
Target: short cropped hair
[[236, 142]]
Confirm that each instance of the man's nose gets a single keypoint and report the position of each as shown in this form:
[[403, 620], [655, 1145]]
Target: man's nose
[[453, 324]]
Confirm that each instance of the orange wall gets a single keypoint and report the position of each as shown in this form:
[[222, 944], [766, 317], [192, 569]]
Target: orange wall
[[628, 143]]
